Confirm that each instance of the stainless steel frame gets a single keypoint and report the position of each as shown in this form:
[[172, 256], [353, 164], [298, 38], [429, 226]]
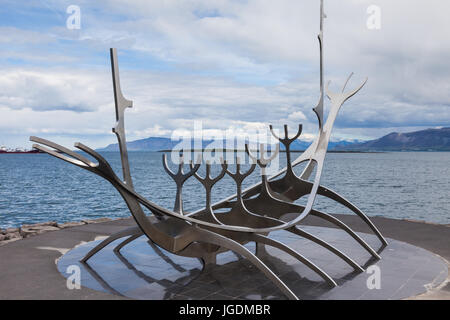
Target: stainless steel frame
[[205, 233]]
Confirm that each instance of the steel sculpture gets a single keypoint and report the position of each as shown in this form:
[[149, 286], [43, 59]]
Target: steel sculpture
[[180, 178], [252, 213]]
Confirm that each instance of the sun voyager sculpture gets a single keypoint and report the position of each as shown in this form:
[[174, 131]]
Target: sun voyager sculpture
[[250, 215]]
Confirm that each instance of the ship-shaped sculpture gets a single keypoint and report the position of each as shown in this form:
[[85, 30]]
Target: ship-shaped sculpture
[[249, 215]]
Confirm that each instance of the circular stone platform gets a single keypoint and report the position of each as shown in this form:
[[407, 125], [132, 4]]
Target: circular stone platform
[[144, 271]]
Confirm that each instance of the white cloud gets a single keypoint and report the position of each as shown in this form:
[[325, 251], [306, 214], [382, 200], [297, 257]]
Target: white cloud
[[45, 90], [13, 35], [232, 64], [297, 115], [63, 102]]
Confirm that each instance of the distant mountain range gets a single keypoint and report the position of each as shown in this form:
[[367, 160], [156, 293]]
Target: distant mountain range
[[160, 144], [425, 140]]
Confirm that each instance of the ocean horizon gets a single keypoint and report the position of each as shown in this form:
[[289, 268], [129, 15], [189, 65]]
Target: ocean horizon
[[38, 188]]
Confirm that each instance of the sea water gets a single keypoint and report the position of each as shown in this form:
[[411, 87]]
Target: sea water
[[37, 187]]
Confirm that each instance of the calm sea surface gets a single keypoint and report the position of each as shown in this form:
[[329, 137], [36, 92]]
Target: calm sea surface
[[37, 188]]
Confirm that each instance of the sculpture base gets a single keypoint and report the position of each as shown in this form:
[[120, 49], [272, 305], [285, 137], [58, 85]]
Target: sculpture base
[[143, 271]]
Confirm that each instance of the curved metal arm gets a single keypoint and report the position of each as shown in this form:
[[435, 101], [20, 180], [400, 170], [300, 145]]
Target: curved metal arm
[[287, 145], [286, 141], [180, 178], [208, 181], [342, 96], [238, 176], [262, 161], [77, 159]]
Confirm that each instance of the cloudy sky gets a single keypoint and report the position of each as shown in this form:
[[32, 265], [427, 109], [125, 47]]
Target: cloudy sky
[[234, 64]]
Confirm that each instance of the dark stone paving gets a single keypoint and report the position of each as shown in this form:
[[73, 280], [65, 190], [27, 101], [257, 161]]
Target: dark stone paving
[[142, 271], [28, 270]]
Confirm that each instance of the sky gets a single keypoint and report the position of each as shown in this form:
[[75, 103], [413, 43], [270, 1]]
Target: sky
[[231, 64]]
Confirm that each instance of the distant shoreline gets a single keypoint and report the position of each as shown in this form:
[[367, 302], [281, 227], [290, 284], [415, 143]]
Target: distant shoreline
[[281, 151], [429, 140], [293, 151]]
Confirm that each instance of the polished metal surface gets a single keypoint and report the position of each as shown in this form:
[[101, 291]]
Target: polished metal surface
[[252, 214]]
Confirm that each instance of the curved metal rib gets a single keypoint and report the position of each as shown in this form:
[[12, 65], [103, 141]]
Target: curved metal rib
[[243, 251], [340, 199], [347, 229], [128, 240], [101, 281], [165, 257], [267, 203], [276, 244], [326, 245], [104, 243], [163, 282]]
